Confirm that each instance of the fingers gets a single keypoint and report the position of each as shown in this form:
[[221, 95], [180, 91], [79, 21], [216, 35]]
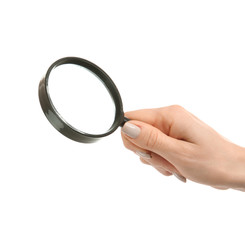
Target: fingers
[[151, 158], [163, 171], [144, 154], [164, 133], [145, 136], [160, 163], [157, 117], [174, 121]]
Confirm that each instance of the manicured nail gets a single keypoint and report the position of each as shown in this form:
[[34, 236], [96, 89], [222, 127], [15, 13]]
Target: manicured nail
[[181, 178], [143, 155], [131, 130]]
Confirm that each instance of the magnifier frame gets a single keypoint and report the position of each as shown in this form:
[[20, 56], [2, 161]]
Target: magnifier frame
[[59, 122]]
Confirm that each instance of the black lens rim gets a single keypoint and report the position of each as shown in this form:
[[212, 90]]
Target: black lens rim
[[59, 122]]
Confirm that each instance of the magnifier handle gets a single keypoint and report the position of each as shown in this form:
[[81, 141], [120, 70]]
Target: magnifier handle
[[124, 121]]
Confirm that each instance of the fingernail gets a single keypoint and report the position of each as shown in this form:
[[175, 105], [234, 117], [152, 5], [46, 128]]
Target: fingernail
[[131, 130], [181, 178], [143, 155]]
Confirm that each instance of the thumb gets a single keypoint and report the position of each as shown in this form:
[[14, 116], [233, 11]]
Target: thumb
[[152, 139]]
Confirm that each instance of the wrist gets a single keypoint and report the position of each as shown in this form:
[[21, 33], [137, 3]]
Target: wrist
[[237, 170]]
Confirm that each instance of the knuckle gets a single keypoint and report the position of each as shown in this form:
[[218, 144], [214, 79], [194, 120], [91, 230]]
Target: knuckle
[[152, 140], [176, 108]]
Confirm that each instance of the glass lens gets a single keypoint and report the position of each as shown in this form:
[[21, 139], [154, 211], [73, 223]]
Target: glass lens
[[81, 99]]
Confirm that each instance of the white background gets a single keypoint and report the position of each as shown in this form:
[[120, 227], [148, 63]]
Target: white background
[[158, 53]]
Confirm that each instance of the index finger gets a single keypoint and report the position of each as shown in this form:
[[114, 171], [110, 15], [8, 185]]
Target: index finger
[[156, 117]]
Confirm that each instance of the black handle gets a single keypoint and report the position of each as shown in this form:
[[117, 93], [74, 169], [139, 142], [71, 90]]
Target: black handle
[[125, 119]]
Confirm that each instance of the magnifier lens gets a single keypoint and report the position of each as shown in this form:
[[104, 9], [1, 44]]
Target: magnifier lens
[[81, 99]]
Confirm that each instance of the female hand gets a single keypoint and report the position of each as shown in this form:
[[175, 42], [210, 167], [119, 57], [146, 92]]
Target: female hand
[[174, 141]]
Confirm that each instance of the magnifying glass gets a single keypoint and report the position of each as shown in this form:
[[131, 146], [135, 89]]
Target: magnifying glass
[[80, 100]]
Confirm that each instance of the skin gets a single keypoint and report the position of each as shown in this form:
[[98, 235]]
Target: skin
[[178, 142]]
